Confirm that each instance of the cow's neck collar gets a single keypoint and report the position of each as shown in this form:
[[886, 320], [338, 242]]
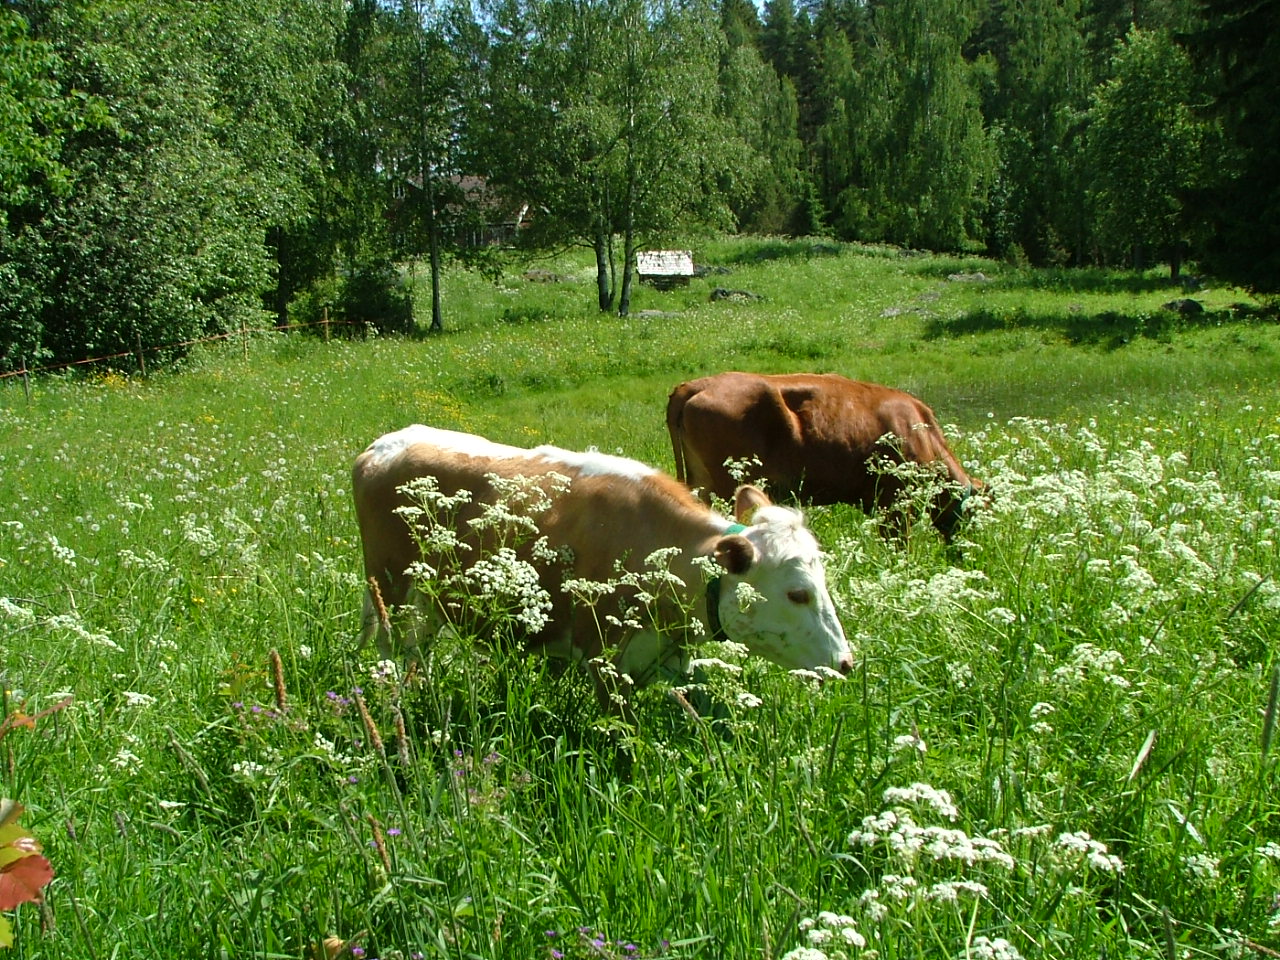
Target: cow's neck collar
[[715, 629]]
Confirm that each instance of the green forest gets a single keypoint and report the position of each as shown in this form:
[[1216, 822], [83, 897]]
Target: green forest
[[175, 169]]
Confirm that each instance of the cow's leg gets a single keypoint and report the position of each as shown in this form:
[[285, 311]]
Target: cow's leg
[[374, 625], [404, 629]]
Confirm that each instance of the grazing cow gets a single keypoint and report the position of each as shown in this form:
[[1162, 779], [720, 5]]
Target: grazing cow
[[816, 437], [603, 515]]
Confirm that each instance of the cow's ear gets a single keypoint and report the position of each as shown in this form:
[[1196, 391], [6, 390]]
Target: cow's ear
[[747, 500], [735, 553]]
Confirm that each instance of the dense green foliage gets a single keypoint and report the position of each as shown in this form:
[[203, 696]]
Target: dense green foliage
[[1239, 205], [176, 169], [1058, 743]]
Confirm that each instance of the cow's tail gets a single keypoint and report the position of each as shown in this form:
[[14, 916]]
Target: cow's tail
[[675, 426]]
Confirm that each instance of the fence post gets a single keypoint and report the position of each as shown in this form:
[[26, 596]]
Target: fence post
[[142, 361], [324, 324], [26, 380], [244, 337]]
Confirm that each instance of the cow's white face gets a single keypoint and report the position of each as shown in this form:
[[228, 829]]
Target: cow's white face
[[774, 598]]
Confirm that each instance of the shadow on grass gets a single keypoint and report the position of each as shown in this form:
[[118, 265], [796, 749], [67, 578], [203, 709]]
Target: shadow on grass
[[1110, 329], [782, 249], [1076, 280]]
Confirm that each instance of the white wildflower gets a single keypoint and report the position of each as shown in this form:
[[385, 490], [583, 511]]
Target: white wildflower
[[909, 741], [127, 760], [997, 949], [1077, 849], [138, 699], [248, 770], [829, 927], [898, 888], [384, 671], [872, 906], [1200, 867], [804, 953], [923, 795], [1001, 615], [15, 612], [951, 890], [64, 554], [747, 596], [1034, 832]]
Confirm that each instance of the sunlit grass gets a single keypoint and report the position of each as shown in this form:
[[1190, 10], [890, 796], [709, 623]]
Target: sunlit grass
[[1088, 679]]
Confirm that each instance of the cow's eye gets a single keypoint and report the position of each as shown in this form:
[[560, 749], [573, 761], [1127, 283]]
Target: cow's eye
[[802, 597]]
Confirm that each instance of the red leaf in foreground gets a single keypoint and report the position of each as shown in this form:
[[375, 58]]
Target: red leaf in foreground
[[20, 881]]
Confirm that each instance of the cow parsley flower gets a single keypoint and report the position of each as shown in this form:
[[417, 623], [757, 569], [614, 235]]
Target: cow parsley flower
[[505, 577], [909, 741], [828, 928], [15, 612], [1201, 868], [997, 949], [1076, 849], [897, 887], [747, 596], [803, 674], [249, 770], [950, 891], [804, 953], [127, 760], [923, 795], [384, 672]]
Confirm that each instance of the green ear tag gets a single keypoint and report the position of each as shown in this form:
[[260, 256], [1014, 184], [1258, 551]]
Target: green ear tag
[[735, 528]]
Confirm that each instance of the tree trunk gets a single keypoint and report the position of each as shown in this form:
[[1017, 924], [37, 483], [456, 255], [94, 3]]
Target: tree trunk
[[628, 272], [604, 269], [629, 231], [433, 247]]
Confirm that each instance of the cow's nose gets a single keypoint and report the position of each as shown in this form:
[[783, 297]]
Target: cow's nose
[[845, 665]]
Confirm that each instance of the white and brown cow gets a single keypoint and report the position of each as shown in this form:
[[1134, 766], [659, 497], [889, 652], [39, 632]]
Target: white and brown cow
[[612, 514], [817, 438]]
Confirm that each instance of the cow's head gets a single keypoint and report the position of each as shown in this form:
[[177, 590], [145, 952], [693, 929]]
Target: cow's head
[[784, 612]]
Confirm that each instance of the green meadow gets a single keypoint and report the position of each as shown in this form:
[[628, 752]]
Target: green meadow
[[1058, 740]]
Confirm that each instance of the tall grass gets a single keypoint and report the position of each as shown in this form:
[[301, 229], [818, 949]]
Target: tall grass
[[1058, 742]]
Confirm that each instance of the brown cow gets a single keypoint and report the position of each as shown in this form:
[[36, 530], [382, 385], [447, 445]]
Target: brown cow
[[816, 436], [601, 515]]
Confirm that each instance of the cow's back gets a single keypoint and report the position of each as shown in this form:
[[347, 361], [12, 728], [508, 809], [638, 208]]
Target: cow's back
[[818, 437], [377, 477], [604, 513], [732, 416]]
